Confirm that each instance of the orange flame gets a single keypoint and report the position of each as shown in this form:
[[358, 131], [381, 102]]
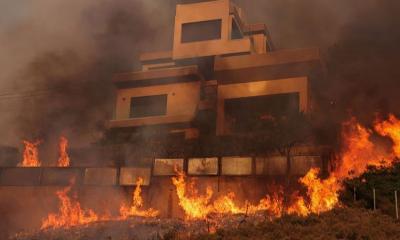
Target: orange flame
[[194, 205], [198, 206], [31, 154], [70, 213], [390, 128], [323, 194], [63, 160], [137, 204], [360, 152]]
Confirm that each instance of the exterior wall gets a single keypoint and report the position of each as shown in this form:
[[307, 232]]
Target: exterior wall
[[259, 88], [205, 11], [183, 99]]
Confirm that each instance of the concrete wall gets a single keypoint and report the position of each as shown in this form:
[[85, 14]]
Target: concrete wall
[[198, 12]]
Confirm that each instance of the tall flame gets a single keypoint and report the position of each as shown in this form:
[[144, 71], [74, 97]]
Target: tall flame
[[359, 151], [63, 159], [322, 194], [137, 204], [194, 205], [70, 213], [31, 154]]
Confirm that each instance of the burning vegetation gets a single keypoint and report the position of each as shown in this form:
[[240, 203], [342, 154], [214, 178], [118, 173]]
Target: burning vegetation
[[321, 195], [70, 212], [136, 208]]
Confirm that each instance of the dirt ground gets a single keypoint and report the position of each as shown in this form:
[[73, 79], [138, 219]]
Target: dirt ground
[[342, 223]]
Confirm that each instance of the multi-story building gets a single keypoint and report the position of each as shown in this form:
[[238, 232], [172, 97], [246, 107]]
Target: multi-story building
[[222, 82]]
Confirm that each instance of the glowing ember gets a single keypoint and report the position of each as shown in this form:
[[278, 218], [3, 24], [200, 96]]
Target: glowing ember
[[63, 160], [137, 204], [31, 154], [70, 213]]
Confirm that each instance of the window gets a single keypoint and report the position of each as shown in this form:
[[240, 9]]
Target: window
[[148, 106], [236, 34], [258, 112], [203, 166], [167, 166], [201, 31]]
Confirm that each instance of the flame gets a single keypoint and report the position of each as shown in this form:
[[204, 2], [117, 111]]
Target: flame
[[31, 154], [359, 151], [390, 128], [198, 206], [70, 213], [194, 205], [63, 160], [137, 204], [298, 207], [322, 194]]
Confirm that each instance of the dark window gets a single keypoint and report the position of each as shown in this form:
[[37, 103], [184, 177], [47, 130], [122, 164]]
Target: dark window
[[259, 112], [236, 34], [148, 106], [201, 31]]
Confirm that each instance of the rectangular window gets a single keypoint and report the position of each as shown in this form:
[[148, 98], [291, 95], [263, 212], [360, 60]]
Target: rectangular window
[[201, 31], [148, 106], [203, 166], [236, 33], [167, 167], [259, 112], [236, 166]]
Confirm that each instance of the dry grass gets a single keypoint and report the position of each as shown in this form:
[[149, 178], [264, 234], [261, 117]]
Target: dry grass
[[343, 223]]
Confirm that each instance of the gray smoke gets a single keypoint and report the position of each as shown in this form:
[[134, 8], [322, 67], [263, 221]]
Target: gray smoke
[[58, 57]]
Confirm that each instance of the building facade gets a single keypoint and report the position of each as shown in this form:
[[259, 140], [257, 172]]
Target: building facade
[[218, 92]]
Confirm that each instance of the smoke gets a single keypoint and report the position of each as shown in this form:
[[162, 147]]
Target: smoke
[[359, 42], [58, 57]]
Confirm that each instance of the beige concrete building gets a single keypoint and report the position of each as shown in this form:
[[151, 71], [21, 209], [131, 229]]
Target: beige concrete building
[[217, 59], [221, 79]]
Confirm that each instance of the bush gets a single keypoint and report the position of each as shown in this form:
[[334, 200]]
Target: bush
[[385, 180]]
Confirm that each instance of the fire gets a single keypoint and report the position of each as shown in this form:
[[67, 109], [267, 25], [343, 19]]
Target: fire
[[360, 151], [323, 194], [70, 213], [198, 206], [390, 128], [137, 204], [63, 160], [194, 205], [31, 154]]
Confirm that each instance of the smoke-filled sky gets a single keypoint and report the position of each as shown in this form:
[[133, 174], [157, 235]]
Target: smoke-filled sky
[[57, 57]]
